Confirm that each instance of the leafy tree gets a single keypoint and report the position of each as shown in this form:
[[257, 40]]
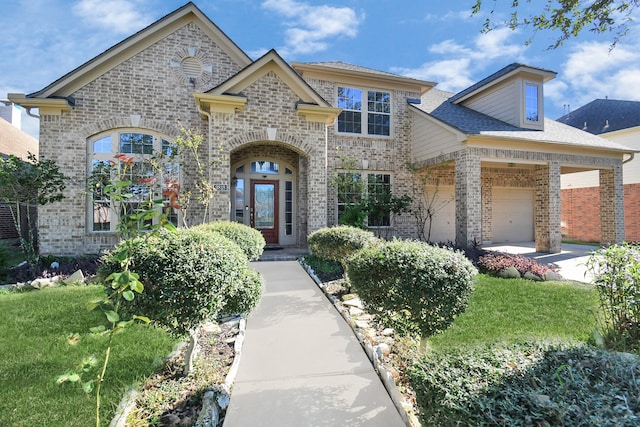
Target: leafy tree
[[569, 17], [25, 185]]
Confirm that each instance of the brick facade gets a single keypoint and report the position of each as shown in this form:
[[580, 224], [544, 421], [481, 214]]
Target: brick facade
[[581, 216], [148, 92]]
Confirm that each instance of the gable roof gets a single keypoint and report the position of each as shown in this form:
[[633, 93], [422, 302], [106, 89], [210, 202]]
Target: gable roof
[[270, 61], [130, 46], [228, 97], [604, 115], [499, 76], [16, 142], [438, 105]]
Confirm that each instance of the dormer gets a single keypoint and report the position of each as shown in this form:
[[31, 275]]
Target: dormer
[[515, 95]]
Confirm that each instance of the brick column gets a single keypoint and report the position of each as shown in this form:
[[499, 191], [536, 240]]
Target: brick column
[[611, 205], [547, 210], [316, 192], [468, 199]]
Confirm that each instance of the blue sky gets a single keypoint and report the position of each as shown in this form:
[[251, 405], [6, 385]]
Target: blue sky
[[432, 40]]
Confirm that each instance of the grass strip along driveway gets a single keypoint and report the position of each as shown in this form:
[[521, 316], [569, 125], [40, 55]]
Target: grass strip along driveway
[[38, 342]]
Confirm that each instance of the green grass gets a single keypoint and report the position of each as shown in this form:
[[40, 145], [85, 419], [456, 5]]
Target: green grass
[[510, 310], [34, 327]]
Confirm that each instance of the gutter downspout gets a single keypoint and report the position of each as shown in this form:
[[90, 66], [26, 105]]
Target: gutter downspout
[[209, 137], [631, 156]]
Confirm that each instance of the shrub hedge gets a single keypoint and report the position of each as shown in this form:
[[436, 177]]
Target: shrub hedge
[[339, 243], [249, 239], [244, 298], [412, 286], [187, 275], [532, 384]]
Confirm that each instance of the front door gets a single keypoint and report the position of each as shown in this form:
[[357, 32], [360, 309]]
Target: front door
[[264, 209]]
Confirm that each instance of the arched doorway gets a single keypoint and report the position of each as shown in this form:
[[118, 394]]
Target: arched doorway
[[266, 195]]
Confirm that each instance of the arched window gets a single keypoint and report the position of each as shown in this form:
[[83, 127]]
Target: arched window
[[151, 169]]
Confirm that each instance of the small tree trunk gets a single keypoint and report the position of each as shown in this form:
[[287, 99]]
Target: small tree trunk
[[423, 345], [192, 350]]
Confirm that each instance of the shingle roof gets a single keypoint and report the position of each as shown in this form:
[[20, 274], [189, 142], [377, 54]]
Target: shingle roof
[[471, 122], [604, 115], [351, 67]]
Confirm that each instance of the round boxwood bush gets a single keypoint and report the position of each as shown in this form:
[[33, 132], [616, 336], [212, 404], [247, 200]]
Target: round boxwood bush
[[186, 275], [244, 298], [339, 243], [412, 286], [249, 239]]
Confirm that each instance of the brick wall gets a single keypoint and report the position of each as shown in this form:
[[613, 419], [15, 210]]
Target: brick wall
[[581, 214]]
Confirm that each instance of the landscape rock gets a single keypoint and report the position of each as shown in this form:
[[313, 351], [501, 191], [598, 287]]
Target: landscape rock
[[353, 302], [387, 332], [170, 420], [209, 415], [530, 276], [509, 273], [383, 349], [552, 275], [76, 277]]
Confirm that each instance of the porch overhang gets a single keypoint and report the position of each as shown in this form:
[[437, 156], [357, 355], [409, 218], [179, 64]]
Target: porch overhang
[[46, 106], [219, 103], [318, 113]]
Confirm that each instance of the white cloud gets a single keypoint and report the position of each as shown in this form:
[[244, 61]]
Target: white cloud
[[120, 16], [463, 62], [311, 28], [593, 71], [451, 75]]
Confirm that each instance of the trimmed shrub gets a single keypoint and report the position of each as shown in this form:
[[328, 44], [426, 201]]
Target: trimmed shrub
[[530, 384], [245, 297], [249, 239], [616, 273], [339, 243], [493, 263], [186, 274], [412, 286]]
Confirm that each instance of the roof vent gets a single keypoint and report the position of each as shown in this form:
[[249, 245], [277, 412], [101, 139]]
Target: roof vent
[[191, 67]]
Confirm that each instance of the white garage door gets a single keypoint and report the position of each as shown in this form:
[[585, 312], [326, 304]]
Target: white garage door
[[443, 226], [513, 215]]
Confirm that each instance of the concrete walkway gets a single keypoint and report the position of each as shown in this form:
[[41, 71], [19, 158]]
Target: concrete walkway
[[301, 364]]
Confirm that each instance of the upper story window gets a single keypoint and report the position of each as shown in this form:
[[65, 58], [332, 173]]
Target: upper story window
[[532, 102], [150, 180], [364, 112]]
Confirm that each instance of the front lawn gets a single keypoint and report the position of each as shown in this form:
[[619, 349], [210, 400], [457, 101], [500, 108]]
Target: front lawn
[[34, 338], [512, 310], [519, 356]]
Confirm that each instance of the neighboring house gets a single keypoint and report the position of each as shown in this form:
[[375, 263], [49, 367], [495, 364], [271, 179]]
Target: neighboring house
[[277, 133], [15, 142], [617, 121]]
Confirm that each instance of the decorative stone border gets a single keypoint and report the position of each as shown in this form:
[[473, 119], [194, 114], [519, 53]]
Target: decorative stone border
[[374, 354], [214, 402]]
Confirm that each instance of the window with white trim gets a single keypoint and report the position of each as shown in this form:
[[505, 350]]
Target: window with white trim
[[532, 100], [364, 112], [149, 180]]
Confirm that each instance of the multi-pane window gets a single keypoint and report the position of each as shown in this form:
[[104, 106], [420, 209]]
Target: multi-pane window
[[150, 181], [532, 113], [360, 115], [379, 192], [354, 188]]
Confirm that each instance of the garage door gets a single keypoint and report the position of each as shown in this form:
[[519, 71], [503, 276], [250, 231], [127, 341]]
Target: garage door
[[513, 215], [443, 226]]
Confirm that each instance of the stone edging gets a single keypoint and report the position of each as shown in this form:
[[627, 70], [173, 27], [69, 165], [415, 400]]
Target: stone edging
[[127, 404], [404, 409]]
